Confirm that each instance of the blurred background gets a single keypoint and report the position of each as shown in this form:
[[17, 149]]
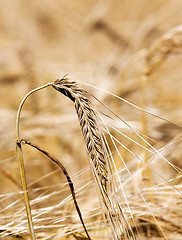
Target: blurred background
[[130, 48]]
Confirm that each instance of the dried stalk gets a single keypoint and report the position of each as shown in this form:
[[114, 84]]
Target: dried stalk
[[21, 163], [67, 177]]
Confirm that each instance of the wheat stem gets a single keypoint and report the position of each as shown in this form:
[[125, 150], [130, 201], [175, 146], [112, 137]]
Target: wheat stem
[[25, 190], [21, 163], [67, 177]]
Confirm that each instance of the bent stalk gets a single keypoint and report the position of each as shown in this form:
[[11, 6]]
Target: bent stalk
[[21, 163]]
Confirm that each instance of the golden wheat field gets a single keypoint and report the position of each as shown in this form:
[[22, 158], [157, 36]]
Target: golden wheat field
[[111, 115]]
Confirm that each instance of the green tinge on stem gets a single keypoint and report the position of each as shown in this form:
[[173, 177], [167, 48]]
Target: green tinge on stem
[[21, 162]]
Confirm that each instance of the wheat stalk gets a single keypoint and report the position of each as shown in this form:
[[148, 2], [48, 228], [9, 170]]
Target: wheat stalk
[[22, 168], [65, 172], [21, 162]]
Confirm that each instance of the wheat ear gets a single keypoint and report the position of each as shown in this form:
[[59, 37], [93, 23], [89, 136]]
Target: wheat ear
[[167, 44], [98, 155], [89, 126]]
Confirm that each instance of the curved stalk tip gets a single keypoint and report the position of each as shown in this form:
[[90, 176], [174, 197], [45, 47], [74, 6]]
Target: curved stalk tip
[[21, 105]]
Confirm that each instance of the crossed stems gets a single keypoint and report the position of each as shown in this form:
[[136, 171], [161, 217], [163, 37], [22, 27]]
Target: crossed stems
[[22, 168]]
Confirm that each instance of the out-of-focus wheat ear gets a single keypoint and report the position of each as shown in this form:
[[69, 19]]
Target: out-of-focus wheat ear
[[21, 162], [167, 44], [65, 172]]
